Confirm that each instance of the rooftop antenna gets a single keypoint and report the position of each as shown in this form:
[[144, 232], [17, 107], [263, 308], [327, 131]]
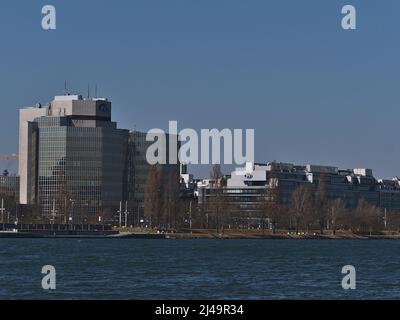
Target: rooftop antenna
[[65, 88], [88, 91], [95, 91]]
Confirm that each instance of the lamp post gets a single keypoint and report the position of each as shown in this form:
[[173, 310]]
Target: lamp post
[[126, 214], [53, 214], [138, 216], [70, 218], [120, 214], [190, 216], [2, 212]]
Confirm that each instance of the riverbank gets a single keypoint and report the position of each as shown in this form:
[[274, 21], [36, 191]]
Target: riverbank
[[267, 234], [122, 233], [283, 236]]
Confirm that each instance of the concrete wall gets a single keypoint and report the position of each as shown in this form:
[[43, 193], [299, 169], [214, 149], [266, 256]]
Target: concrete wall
[[25, 150]]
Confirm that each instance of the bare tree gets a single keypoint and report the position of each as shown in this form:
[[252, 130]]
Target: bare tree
[[171, 200], [152, 196], [336, 213], [271, 206], [277, 211], [365, 218], [393, 220], [10, 206], [301, 205], [217, 204], [375, 220], [321, 204]]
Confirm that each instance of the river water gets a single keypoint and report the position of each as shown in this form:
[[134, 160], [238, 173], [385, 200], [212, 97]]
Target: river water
[[199, 269]]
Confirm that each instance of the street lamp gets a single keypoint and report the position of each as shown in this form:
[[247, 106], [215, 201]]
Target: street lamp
[[70, 218]]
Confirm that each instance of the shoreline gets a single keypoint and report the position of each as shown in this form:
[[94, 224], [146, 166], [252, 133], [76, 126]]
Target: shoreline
[[201, 235], [281, 237]]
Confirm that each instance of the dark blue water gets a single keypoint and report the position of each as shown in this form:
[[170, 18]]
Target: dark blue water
[[198, 269]]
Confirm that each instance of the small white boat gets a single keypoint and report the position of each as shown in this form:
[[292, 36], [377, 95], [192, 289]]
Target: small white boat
[[9, 231]]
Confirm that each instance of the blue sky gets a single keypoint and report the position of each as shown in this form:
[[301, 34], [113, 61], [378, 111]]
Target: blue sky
[[313, 92]]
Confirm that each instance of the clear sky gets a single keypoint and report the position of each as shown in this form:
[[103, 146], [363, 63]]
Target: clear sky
[[313, 92]]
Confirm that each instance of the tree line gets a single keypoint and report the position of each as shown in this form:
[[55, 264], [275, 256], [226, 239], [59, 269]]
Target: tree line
[[307, 211], [163, 207]]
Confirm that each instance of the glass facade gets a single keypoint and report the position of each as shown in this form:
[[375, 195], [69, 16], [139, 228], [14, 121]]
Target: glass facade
[[9, 185], [83, 167], [138, 167]]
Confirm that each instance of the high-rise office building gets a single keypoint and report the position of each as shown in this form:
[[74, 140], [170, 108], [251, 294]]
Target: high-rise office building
[[138, 167], [72, 155]]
